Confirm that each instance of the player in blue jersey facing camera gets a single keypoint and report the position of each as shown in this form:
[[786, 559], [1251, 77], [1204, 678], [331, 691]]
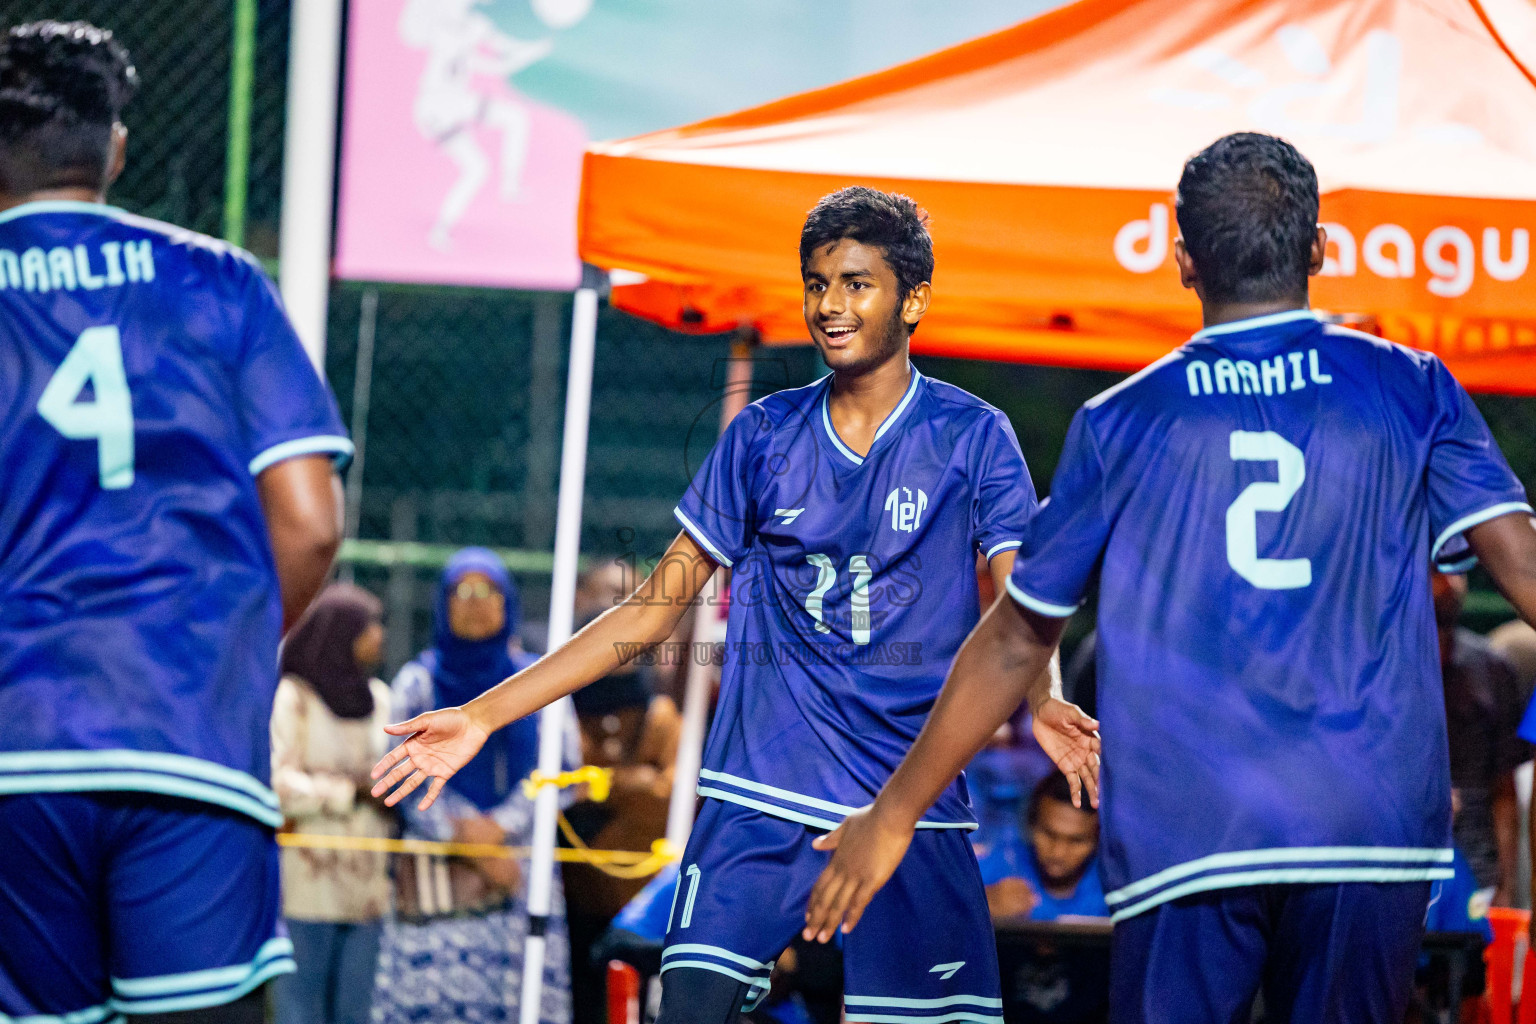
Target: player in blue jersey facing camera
[[169, 501], [851, 513], [1260, 507]]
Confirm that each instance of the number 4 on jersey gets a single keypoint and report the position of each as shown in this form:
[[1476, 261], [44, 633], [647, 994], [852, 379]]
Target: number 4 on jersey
[[95, 359]]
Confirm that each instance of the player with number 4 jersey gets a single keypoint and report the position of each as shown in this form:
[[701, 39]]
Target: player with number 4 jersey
[[1260, 510], [169, 499], [851, 513]]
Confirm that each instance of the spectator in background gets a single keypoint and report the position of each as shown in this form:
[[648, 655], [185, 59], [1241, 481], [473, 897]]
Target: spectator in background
[[454, 952], [1482, 710], [1055, 874], [1051, 877], [328, 721], [629, 728], [1516, 641]]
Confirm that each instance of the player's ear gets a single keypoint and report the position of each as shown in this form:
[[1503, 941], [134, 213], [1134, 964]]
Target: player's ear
[[916, 304], [1189, 277], [117, 153], [1319, 252]]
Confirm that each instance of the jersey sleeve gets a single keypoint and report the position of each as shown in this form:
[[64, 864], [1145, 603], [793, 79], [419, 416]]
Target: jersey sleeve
[[1004, 496], [286, 409], [1062, 542], [1469, 480], [717, 508]]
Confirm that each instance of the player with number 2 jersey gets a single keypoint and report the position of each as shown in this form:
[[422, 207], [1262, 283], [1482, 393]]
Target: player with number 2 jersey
[[1260, 509]]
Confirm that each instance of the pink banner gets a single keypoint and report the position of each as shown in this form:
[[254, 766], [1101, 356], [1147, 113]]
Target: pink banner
[[448, 174]]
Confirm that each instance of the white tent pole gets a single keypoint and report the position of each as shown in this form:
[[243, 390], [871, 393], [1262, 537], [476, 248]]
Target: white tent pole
[[708, 628], [309, 142], [562, 605]]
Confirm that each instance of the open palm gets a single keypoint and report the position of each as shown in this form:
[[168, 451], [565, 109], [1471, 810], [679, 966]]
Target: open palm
[[437, 744], [1071, 739]]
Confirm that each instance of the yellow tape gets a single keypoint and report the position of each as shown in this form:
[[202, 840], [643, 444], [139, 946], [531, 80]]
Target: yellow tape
[[621, 863], [598, 780]]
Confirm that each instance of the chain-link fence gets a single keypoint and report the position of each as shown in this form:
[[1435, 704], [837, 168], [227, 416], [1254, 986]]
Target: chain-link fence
[[457, 395]]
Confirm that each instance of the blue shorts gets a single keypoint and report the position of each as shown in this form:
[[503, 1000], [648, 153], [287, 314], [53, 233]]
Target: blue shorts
[[1341, 953], [133, 903], [923, 953]]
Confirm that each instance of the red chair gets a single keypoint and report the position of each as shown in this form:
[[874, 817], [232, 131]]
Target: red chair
[[1508, 926], [623, 993]]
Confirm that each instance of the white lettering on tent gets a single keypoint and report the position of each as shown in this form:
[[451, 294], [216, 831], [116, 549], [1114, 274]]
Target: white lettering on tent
[[1519, 254], [1451, 277], [1141, 246], [1376, 258], [1340, 262]]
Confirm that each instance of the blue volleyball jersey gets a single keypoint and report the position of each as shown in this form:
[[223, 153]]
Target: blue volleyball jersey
[[853, 584], [1262, 507], [147, 376]]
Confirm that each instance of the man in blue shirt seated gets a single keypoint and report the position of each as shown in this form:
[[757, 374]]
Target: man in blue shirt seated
[[1053, 874], [1056, 873]]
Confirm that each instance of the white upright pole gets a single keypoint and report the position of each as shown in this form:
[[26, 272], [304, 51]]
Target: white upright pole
[[309, 140], [562, 609], [708, 628]]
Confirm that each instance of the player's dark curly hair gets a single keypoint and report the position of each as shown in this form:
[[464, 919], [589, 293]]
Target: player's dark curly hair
[[62, 87], [889, 220], [1247, 208]]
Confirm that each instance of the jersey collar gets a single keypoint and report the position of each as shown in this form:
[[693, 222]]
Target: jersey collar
[[58, 206], [885, 426], [1254, 323]]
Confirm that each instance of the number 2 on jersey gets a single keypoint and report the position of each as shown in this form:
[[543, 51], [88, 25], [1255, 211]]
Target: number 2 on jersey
[[95, 359], [826, 575], [1265, 496]]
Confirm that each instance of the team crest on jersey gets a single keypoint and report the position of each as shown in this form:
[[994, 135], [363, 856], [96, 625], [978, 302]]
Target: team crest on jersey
[[906, 506]]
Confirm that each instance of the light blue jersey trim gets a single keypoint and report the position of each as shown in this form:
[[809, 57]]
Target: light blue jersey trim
[[1276, 876], [32, 762], [320, 443], [826, 421], [718, 969], [1034, 604], [858, 1016], [195, 990], [767, 808], [59, 206], [1254, 323], [1466, 523], [924, 1004], [1003, 546], [901, 406], [841, 810], [1281, 855], [139, 782], [89, 1015], [885, 425], [699, 947], [703, 538], [191, 981]]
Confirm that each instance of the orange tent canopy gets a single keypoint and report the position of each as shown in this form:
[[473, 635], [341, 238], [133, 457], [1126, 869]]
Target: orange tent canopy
[[1047, 154]]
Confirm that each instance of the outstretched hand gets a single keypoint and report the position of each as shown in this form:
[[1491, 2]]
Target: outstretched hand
[[1071, 739], [865, 854], [437, 744]]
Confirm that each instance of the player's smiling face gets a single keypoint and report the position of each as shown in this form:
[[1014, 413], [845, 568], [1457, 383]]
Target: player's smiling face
[[853, 305]]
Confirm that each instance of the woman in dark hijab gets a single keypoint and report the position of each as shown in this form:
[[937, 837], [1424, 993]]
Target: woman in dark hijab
[[459, 910], [328, 721]]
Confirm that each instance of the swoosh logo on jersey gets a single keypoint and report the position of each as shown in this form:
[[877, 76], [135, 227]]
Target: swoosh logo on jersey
[[948, 969], [789, 514]]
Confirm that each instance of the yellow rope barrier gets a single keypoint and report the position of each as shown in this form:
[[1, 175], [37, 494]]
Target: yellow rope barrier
[[621, 863], [599, 783]]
